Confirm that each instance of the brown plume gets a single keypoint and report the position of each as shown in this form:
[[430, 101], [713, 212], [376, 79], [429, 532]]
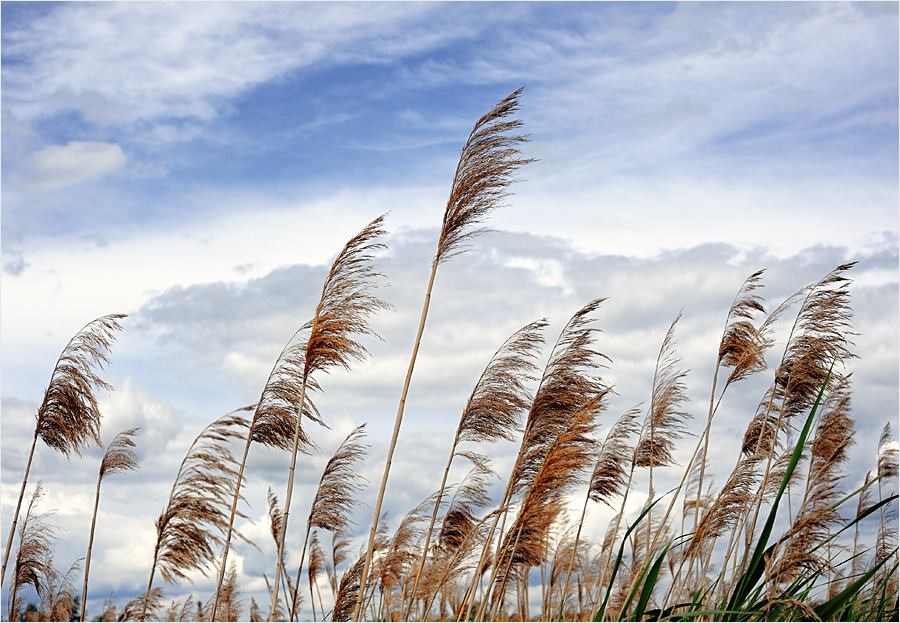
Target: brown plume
[[118, 459], [665, 419], [336, 494], [728, 506], [819, 338], [743, 345], [339, 485], [316, 565], [494, 410], [495, 407], [611, 470], [486, 166], [69, 418], [817, 513], [59, 600], [230, 605], [566, 389], [197, 512], [343, 313], [340, 546], [33, 563], [140, 607], [484, 172], [276, 515], [563, 468], [348, 592], [888, 453]]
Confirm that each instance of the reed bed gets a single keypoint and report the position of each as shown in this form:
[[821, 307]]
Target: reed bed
[[781, 539]]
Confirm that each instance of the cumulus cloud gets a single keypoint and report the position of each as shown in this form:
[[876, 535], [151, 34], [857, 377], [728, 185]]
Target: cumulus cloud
[[231, 331], [59, 166]]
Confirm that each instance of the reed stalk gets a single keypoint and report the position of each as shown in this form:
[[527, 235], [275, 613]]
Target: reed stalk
[[68, 419], [342, 314], [118, 458], [486, 166]]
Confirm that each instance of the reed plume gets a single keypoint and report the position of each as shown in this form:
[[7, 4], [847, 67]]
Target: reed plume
[[665, 421], [118, 459], [888, 453], [566, 387], [68, 419], [609, 478], [336, 495], [321, 343], [340, 546], [60, 601], [138, 609], [348, 594], [742, 349], [275, 422], [565, 461], [494, 409], [316, 564], [256, 615], [183, 610], [343, 313], [189, 528], [33, 563], [817, 513], [230, 605], [888, 468], [819, 338], [457, 538], [864, 501], [276, 514], [400, 552], [485, 170], [727, 506]]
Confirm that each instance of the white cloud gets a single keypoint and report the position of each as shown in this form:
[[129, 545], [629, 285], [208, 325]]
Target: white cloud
[[59, 166]]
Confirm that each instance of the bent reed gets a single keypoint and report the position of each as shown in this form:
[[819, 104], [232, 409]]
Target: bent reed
[[782, 539]]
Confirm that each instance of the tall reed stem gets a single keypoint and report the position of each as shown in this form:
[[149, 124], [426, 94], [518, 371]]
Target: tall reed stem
[[396, 433], [279, 569], [12, 528], [87, 562]]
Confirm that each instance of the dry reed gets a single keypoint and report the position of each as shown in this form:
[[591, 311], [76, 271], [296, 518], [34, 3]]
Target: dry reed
[[189, 528], [68, 419], [335, 496], [118, 458], [485, 170]]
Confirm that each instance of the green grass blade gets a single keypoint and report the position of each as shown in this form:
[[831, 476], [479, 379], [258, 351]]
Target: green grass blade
[[649, 584], [756, 567], [612, 578], [827, 610]]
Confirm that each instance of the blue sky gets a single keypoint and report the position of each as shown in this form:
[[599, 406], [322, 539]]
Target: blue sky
[[198, 165]]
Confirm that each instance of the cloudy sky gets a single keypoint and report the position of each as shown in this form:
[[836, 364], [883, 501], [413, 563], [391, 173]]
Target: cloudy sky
[[198, 166]]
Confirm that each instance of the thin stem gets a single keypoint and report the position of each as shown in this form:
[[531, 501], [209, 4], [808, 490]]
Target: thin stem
[[87, 560], [237, 494], [12, 528], [287, 505], [396, 433], [434, 513]]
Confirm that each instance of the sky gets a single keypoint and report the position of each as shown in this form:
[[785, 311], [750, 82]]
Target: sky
[[198, 166]]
